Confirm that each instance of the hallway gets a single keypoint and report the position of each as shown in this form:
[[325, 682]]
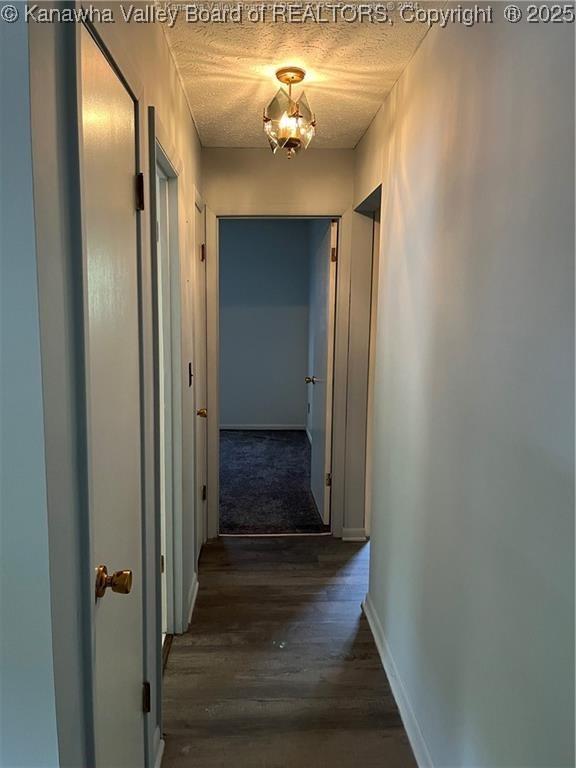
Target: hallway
[[279, 668], [288, 375]]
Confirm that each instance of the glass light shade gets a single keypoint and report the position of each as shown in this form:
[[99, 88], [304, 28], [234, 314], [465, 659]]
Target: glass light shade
[[289, 124]]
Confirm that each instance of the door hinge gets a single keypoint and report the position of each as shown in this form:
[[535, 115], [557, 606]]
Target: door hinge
[[190, 374], [146, 697], [161, 563], [204, 493], [328, 479], [203, 252], [334, 254], [139, 183]]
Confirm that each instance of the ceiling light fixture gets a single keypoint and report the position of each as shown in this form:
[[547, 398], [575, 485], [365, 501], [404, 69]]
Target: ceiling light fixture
[[289, 124]]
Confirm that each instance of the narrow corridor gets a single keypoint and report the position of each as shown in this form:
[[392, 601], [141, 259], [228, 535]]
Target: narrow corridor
[[279, 669]]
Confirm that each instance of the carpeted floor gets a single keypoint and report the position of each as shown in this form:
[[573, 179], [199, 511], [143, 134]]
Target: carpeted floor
[[265, 483]]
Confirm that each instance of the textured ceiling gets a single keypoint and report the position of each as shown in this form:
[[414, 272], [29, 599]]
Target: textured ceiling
[[228, 72]]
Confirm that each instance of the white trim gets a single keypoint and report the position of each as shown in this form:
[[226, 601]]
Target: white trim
[[301, 427], [164, 209], [192, 595], [174, 557], [353, 534], [212, 372], [201, 386], [369, 453], [411, 726], [159, 753], [309, 435], [331, 341]]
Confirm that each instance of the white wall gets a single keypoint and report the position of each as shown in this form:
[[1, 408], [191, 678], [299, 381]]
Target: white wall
[[472, 570], [264, 286], [252, 182], [28, 735]]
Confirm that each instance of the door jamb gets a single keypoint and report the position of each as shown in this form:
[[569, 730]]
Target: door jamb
[[169, 162], [371, 372], [159, 157], [368, 227], [201, 508], [330, 366]]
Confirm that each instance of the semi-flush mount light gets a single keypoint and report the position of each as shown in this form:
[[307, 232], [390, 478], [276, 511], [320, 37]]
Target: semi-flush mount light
[[289, 123]]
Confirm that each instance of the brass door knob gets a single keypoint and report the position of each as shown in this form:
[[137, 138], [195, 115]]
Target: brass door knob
[[202, 412], [120, 581]]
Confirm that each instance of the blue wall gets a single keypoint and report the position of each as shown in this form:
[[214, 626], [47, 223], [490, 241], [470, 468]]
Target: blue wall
[[264, 293]]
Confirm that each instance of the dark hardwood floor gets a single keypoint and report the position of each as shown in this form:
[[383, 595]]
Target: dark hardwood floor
[[278, 668]]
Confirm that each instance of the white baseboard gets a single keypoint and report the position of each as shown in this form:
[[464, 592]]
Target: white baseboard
[[353, 534], [263, 426], [159, 753], [192, 595], [413, 730]]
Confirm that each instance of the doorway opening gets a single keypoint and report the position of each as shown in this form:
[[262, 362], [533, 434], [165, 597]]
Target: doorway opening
[[276, 320]]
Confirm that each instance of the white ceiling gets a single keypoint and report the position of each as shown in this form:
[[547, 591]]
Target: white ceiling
[[228, 73]]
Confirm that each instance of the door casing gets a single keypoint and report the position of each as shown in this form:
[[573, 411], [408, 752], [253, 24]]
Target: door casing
[[160, 159], [163, 152], [213, 363], [202, 488]]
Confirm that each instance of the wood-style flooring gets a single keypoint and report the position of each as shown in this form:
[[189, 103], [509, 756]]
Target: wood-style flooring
[[278, 668]]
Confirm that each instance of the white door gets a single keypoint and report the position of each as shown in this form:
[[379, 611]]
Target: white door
[[113, 402], [320, 386], [201, 389]]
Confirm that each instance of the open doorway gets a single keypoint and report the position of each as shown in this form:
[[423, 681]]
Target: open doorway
[[277, 311]]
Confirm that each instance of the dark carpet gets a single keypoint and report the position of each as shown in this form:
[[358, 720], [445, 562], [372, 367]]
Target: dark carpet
[[265, 483]]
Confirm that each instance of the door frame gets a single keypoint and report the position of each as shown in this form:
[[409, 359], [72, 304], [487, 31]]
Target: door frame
[[152, 742], [162, 272], [200, 330], [163, 159], [363, 310], [338, 384], [330, 373], [372, 369]]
